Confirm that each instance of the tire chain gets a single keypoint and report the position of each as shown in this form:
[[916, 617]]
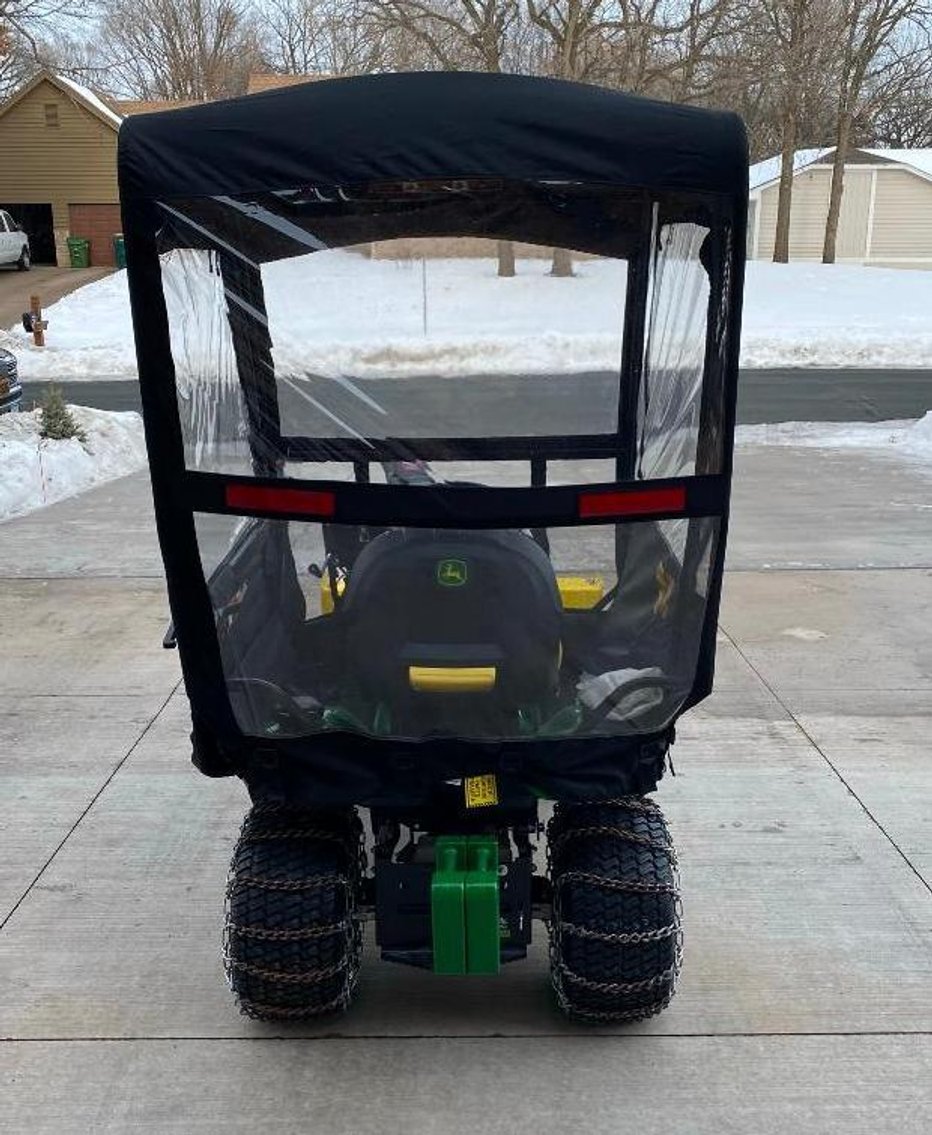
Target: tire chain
[[635, 938], [289, 935], [312, 882], [635, 886], [296, 833], [350, 927], [561, 972], [614, 987], [309, 977], [623, 834], [261, 1012]]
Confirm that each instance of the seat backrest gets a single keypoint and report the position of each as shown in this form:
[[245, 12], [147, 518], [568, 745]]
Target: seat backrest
[[446, 598]]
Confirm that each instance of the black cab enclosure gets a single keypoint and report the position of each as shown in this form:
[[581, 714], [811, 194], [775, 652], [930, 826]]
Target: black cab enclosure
[[438, 376]]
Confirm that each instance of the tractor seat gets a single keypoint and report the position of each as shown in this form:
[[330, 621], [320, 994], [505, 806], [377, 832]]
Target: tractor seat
[[439, 615]]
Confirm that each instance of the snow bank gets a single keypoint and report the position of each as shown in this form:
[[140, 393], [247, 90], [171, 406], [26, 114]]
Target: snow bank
[[38, 471], [338, 313], [911, 441]]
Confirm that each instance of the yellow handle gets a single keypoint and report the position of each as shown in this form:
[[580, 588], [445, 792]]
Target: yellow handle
[[451, 679]]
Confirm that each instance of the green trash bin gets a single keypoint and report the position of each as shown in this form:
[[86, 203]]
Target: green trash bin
[[119, 251], [79, 250]]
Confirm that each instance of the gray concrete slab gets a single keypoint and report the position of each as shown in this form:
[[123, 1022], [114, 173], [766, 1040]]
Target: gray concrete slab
[[107, 531], [806, 998], [799, 508], [845, 631], [55, 754], [880, 746], [800, 914], [85, 637], [870, 1085]]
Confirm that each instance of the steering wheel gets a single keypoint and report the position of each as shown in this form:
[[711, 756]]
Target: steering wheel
[[264, 708], [643, 718]]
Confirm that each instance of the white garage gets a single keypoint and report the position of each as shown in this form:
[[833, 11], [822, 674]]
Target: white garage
[[886, 208]]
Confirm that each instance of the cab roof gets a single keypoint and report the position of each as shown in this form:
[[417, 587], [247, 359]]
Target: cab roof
[[431, 125]]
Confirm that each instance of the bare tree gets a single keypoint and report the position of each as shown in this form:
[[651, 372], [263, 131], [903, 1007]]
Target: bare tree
[[457, 35], [669, 49], [325, 37], [902, 117], [575, 35], [16, 61], [27, 28], [180, 49], [794, 47], [868, 54]]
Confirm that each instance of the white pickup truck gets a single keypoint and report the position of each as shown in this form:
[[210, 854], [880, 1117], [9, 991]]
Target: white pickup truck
[[14, 244]]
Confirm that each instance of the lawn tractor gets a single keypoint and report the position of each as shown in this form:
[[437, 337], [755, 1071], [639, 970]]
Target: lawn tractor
[[438, 375]]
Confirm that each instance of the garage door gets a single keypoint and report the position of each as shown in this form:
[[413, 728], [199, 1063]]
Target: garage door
[[98, 224], [36, 223]]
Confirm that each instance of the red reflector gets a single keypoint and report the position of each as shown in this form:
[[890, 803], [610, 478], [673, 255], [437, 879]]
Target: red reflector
[[632, 502], [295, 502]]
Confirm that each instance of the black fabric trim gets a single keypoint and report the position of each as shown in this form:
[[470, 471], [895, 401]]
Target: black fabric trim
[[445, 506], [346, 768], [570, 447]]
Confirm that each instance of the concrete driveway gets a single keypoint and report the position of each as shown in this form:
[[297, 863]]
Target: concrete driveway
[[50, 284], [802, 809]]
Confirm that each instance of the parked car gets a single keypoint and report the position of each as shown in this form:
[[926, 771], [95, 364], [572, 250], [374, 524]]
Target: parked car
[[14, 244], [11, 392]]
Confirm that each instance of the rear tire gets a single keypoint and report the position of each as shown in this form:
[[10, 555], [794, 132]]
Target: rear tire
[[292, 945], [25, 261], [615, 931]]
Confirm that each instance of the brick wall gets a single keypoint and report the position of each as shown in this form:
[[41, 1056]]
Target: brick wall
[[98, 224]]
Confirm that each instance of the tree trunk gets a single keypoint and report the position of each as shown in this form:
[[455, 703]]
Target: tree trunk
[[562, 264], [838, 186], [781, 242], [506, 258]]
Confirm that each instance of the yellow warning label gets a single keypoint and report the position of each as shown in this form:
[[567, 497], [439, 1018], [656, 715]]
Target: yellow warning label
[[481, 791]]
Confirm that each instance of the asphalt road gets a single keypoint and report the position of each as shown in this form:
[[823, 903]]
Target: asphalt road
[[765, 396]]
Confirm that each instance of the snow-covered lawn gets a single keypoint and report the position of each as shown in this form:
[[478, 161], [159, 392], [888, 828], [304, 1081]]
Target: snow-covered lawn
[[338, 313], [832, 315], [37, 471]]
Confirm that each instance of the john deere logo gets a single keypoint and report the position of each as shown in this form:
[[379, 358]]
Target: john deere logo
[[452, 573]]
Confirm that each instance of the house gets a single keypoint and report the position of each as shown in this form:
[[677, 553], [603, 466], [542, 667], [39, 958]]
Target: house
[[260, 81], [58, 177], [886, 207]]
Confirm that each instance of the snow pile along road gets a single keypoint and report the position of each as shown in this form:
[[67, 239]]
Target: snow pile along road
[[38, 471], [339, 313], [908, 440]]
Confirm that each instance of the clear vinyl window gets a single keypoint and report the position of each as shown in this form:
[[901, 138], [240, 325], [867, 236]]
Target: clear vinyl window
[[424, 337], [670, 395], [457, 310], [457, 334], [502, 634], [405, 337]]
